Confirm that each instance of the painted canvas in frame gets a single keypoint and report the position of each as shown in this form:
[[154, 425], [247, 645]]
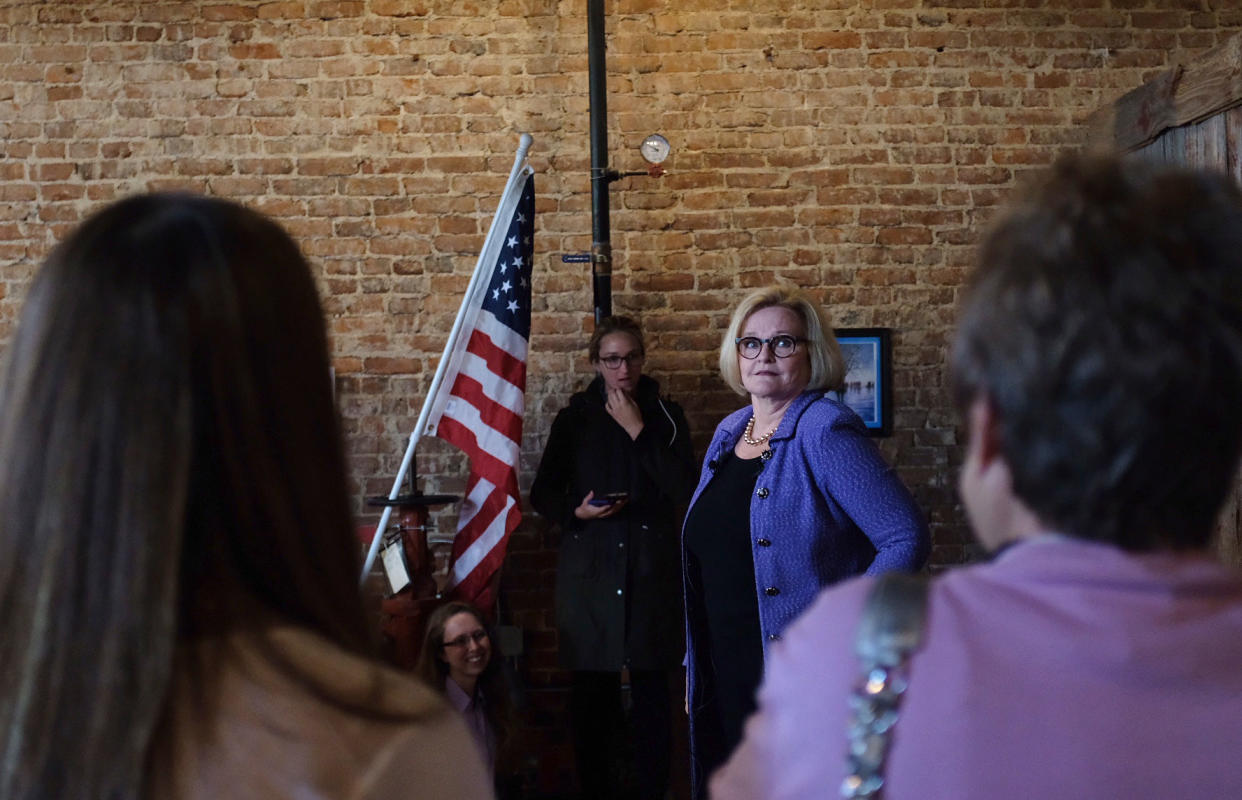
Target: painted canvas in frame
[[868, 376]]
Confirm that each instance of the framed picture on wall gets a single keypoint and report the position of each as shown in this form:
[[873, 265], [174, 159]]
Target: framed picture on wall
[[868, 354]]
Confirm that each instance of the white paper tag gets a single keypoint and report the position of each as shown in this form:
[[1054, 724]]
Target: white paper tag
[[394, 566]]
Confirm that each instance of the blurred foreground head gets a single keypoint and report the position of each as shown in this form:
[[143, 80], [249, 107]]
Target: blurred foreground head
[[170, 467], [1103, 331]]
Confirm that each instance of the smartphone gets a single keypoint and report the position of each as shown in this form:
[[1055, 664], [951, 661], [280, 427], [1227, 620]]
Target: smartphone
[[608, 499]]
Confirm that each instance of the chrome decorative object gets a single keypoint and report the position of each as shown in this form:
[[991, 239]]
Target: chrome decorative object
[[890, 631], [655, 148]]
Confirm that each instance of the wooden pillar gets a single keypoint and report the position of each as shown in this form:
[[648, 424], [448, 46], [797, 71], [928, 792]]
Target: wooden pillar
[[1190, 115]]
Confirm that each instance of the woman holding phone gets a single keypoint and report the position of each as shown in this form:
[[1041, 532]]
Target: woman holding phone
[[616, 467]]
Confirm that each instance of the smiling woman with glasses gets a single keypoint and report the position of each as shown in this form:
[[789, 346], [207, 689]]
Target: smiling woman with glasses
[[458, 661], [793, 497], [616, 466], [466, 639]]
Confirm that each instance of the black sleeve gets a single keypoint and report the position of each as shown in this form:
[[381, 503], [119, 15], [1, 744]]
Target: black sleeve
[[549, 494], [665, 453]]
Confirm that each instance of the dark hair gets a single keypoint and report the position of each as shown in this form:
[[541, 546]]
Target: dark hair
[[1104, 325], [170, 466], [615, 324], [433, 669]]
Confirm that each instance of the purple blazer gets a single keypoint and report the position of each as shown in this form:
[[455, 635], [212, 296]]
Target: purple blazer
[[826, 507]]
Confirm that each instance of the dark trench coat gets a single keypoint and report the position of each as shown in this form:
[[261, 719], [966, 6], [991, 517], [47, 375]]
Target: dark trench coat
[[618, 587]]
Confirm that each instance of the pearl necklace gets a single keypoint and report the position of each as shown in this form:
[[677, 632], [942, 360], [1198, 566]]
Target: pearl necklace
[[750, 428]]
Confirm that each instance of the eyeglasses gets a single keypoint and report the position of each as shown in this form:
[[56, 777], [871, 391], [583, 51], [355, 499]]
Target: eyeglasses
[[478, 637], [614, 362], [783, 346]]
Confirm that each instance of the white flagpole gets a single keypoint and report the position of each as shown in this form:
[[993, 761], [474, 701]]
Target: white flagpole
[[479, 275]]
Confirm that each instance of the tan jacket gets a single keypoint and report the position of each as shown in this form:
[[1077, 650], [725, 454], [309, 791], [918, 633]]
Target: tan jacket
[[242, 728]]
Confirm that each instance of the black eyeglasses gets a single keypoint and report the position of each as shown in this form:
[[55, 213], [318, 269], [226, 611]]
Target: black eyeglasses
[[614, 362], [478, 637], [783, 346]]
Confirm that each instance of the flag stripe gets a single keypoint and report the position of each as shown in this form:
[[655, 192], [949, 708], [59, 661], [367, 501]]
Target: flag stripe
[[502, 335], [475, 583], [482, 463], [499, 362], [488, 441], [490, 416], [486, 527], [476, 493], [506, 393]]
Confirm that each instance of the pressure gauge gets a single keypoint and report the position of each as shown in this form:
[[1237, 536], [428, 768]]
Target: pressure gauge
[[655, 148]]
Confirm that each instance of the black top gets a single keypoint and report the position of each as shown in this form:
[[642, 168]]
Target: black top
[[721, 573], [618, 579]]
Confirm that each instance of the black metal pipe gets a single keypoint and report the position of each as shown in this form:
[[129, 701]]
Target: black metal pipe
[[601, 234]]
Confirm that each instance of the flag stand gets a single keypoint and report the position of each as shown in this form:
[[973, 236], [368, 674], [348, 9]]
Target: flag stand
[[405, 612], [524, 143]]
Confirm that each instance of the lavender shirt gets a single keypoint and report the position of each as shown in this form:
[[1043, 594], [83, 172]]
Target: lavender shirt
[[471, 710], [1062, 669]]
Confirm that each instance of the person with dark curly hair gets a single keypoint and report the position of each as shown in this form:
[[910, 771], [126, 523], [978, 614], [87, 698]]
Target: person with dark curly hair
[[1098, 367]]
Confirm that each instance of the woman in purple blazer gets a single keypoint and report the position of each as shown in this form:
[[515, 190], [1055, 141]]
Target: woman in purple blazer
[[1098, 366], [793, 497]]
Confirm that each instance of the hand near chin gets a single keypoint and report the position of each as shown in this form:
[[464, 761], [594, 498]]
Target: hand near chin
[[622, 408]]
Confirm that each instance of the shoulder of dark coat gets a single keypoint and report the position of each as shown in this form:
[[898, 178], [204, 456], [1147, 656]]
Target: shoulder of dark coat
[[647, 385], [592, 395], [648, 391]]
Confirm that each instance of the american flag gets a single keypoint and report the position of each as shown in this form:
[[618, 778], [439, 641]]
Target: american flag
[[483, 396]]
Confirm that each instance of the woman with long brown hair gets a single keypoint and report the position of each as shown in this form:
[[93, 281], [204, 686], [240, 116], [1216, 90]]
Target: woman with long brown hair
[[177, 569], [460, 660]]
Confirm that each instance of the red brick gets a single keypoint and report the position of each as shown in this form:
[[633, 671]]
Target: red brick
[[834, 40], [262, 50], [328, 166], [858, 149], [63, 73]]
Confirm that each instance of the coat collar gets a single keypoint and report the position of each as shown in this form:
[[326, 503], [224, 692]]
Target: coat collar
[[458, 698], [735, 423]]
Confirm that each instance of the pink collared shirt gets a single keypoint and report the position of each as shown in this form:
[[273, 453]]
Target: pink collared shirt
[[1064, 668], [471, 710]]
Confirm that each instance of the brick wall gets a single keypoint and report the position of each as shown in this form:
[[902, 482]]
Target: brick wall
[[855, 148]]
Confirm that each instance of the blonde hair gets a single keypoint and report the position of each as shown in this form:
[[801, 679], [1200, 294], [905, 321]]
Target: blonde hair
[[827, 364]]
